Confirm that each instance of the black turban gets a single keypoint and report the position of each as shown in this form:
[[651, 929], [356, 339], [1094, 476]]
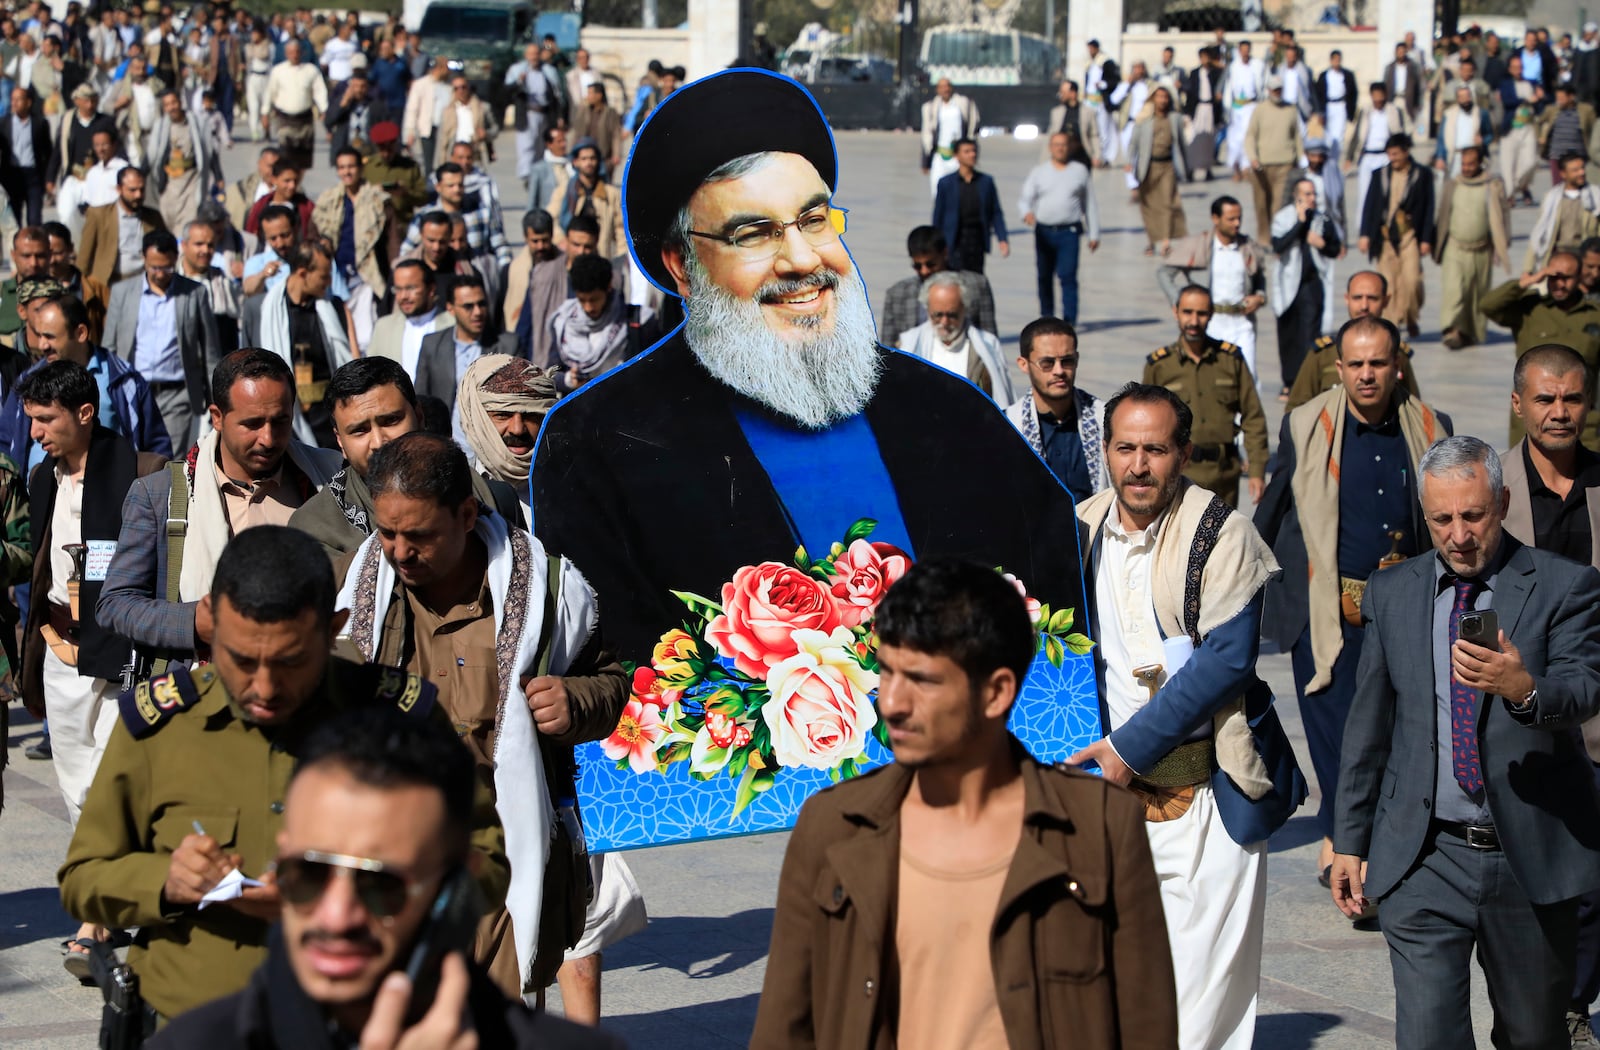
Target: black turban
[[701, 127]]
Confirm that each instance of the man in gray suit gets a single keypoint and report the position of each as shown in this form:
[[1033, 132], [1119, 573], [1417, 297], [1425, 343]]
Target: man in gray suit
[[165, 326], [1554, 486], [446, 354], [1464, 789]]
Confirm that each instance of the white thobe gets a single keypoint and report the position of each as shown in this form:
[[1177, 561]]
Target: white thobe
[[1213, 891], [1230, 284]]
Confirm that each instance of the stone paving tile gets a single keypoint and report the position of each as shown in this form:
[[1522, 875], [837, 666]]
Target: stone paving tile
[[693, 979]]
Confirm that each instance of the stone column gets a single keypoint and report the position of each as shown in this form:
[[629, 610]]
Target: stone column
[[1092, 20], [715, 29]]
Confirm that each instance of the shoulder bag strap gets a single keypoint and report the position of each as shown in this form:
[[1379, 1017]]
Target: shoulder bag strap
[[1205, 541]]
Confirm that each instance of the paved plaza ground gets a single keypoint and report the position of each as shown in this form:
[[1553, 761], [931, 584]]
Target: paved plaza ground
[[693, 979]]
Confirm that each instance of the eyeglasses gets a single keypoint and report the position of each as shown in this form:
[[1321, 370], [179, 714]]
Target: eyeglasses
[[382, 890], [759, 240], [1048, 364]]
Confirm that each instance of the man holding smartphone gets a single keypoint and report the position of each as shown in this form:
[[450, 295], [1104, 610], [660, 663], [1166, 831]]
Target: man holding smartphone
[[1464, 788], [379, 908]]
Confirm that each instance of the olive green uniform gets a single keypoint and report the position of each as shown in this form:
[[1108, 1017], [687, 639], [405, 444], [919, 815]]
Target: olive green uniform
[[1220, 391], [1535, 320], [182, 754], [404, 179], [1320, 372]]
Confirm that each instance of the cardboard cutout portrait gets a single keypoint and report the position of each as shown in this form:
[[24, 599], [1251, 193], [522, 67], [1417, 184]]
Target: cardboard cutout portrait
[[742, 494]]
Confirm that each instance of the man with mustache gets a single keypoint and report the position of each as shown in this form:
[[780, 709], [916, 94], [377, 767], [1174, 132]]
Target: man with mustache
[[1177, 579], [1562, 314], [788, 424], [1467, 805], [1366, 293], [1342, 506], [1212, 378], [371, 837], [193, 780], [949, 340], [247, 472], [1553, 484]]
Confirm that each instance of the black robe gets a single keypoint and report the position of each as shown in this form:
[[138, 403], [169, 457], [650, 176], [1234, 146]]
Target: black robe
[[646, 482]]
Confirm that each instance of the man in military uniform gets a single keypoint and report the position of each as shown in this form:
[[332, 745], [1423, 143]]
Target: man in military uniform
[[1560, 315], [1213, 380], [192, 783], [1366, 294], [30, 255], [397, 173]]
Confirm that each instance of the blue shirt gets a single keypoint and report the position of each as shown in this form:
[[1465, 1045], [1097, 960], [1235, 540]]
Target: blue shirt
[[827, 480], [1063, 453], [1375, 494], [391, 79], [155, 345], [258, 262]]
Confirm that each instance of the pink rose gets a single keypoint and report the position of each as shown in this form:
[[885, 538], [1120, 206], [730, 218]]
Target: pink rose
[[763, 606], [638, 733], [821, 708], [1031, 602], [860, 577]]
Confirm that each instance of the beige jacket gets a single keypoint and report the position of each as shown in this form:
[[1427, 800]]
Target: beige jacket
[[1273, 136]]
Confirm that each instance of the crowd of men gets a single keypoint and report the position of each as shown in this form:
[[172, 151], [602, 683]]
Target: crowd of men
[[266, 494]]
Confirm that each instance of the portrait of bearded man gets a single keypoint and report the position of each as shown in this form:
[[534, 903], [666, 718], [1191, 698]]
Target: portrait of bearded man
[[771, 420]]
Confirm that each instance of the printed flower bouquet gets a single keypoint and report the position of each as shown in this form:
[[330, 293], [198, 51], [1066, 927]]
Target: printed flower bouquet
[[782, 672]]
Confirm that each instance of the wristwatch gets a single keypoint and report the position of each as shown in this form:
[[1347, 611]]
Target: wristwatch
[[1526, 703]]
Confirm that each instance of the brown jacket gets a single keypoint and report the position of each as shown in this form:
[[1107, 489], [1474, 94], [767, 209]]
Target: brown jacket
[[1079, 942], [97, 254]]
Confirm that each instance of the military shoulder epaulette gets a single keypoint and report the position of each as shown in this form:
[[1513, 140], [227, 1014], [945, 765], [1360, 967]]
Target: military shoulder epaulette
[[1405, 348], [1324, 342], [411, 693], [1160, 354], [1226, 347], [150, 705]]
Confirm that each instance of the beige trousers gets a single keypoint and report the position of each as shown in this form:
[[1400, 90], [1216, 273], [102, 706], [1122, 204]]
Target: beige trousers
[[1402, 268], [1159, 205], [1465, 279]]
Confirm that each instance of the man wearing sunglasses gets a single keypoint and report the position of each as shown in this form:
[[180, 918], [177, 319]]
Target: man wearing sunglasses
[[372, 837], [192, 784]]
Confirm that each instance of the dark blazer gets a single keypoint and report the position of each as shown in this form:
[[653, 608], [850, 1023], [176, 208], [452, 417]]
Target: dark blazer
[[1076, 945], [274, 1013], [1417, 204], [112, 467], [947, 212], [1351, 98], [1538, 781], [1277, 519], [1413, 93], [436, 362], [44, 148], [337, 121], [1191, 94], [198, 342], [645, 479]]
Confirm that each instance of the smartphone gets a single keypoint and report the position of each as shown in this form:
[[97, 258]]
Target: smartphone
[[451, 926], [1481, 627]]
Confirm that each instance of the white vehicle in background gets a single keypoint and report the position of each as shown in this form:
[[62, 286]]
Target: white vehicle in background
[[976, 54]]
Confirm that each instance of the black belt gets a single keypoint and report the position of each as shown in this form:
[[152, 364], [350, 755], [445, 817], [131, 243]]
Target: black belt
[[1075, 227], [176, 384], [1476, 836], [1213, 453], [1374, 152]]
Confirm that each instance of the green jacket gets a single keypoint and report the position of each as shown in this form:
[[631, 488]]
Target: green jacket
[[1535, 320], [182, 754]]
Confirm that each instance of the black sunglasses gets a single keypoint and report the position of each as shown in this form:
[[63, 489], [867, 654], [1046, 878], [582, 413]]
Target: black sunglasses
[[382, 890]]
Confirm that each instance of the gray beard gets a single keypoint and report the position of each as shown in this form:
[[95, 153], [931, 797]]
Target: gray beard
[[816, 381]]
